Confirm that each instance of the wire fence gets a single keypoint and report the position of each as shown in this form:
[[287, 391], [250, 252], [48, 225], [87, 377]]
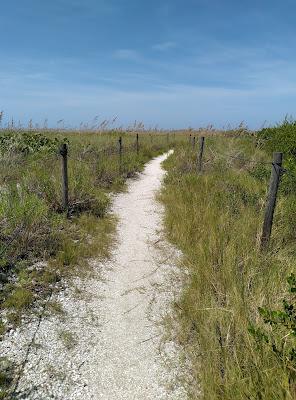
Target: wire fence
[[109, 151], [92, 156], [123, 153], [256, 162], [243, 159], [277, 171]]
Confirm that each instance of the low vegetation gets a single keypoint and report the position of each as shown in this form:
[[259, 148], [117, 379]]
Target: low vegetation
[[39, 245], [33, 226], [237, 310]]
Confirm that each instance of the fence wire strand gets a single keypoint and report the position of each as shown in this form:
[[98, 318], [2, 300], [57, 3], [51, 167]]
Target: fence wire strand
[[109, 151], [227, 157], [246, 160]]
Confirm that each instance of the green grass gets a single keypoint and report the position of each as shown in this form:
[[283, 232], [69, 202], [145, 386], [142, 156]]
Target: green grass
[[215, 218]]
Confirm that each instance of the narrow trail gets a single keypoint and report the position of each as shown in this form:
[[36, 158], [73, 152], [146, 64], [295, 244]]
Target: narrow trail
[[115, 346], [128, 349]]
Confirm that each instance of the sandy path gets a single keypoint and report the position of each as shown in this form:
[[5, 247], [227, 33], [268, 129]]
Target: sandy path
[[116, 348]]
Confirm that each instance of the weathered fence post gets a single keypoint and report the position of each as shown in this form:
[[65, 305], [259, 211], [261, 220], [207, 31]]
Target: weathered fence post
[[193, 142], [190, 139], [120, 153], [276, 169], [65, 187], [137, 144], [200, 153]]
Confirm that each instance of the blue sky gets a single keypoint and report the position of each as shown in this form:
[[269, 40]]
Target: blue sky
[[168, 63]]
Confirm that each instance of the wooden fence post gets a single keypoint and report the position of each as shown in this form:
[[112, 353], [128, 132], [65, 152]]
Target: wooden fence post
[[65, 187], [193, 142], [200, 153], [190, 139], [137, 144], [120, 153], [276, 169]]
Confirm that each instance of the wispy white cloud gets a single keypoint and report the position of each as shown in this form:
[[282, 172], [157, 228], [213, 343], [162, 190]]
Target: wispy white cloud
[[126, 54], [250, 85], [159, 105], [164, 46]]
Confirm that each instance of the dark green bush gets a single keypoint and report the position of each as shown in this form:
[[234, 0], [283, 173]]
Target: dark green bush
[[281, 137], [28, 142]]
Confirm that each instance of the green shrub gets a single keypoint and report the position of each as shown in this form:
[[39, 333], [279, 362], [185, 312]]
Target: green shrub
[[280, 335], [282, 138], [28, 142]]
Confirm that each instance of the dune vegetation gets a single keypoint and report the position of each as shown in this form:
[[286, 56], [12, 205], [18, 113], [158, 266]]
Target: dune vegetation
[[237, 309], [39, 245], [237, 322]]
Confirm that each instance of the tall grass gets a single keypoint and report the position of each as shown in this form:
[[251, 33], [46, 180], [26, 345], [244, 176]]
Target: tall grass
[[215, 218]]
